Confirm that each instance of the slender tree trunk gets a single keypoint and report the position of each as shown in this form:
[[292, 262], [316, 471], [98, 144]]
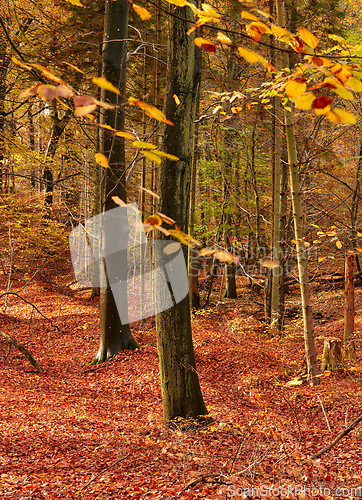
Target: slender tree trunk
[[309, 340], [349, 310], [114, 335], [180, 389], [58, 127]]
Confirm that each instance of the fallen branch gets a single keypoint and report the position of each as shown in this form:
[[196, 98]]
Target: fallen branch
[[337, 438], [34, 306], [22, 349], [109, 467]]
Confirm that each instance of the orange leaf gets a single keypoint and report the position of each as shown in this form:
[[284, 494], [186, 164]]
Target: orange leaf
[[248, 15], [341, 72], [106, 85], [205, 44], [150, 110], [143, 13], [154, 220], [308, 38], [101, 160], [339, 244]]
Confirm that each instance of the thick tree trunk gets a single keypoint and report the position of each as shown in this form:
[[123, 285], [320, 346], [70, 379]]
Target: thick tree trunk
[[180, 389], [114, 334]]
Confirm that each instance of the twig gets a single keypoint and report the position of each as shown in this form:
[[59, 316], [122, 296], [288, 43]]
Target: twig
[[34, 306], [324, 413], [337, 438], [207, 478], [109, 467], [22, 349]]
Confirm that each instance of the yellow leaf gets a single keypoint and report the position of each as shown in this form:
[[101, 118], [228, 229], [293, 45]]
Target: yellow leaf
[[154, 220], [143, 13], [172, 248], [305, 101], [236, 109], [359, 249], [224, 256], [20, 63], [248, 15], [152, 156], [206, 252], [279, 32], [166, 218], [295, 381], [308, 38], [256, 29], [250, 56], [146, 145], [101, 160], [359, 235], [165, 155], [296, 87], [176, 99], [76, 2], [105, 84], [338, 39], [223, 39], [209, 11], [339, 244], [178, 3], [150, 110], [354, 84], [126, 135], [84, 110], [345, 116], [48, 73], [73, 67]]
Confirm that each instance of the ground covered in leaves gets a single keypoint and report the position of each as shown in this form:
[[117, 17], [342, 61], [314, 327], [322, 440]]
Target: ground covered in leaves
[[76, 431]]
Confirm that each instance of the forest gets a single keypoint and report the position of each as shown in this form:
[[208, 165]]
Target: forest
[[180, 249]]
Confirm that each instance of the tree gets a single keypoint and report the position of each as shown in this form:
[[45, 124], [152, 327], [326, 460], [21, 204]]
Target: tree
[[114, 335], [180, 388]]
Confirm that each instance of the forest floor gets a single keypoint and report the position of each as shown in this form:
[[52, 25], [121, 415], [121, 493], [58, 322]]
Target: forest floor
[[76, 431]]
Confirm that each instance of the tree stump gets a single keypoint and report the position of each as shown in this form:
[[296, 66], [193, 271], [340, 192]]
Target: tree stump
[[332, 354]]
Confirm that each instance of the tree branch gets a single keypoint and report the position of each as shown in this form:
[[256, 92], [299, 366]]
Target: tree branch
[[22, 349], [337, 438]]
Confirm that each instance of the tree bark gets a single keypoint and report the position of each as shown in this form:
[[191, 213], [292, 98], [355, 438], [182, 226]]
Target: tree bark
[[309, 340], [180, 389], [114, 335], [349, 312]]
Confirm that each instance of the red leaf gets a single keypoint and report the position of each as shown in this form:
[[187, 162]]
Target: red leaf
[[321, 102]]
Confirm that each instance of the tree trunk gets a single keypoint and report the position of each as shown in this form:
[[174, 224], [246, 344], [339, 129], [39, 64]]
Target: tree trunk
[[349, 346], [114, 335], [180, 389], [309, 340], [58, 127]]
